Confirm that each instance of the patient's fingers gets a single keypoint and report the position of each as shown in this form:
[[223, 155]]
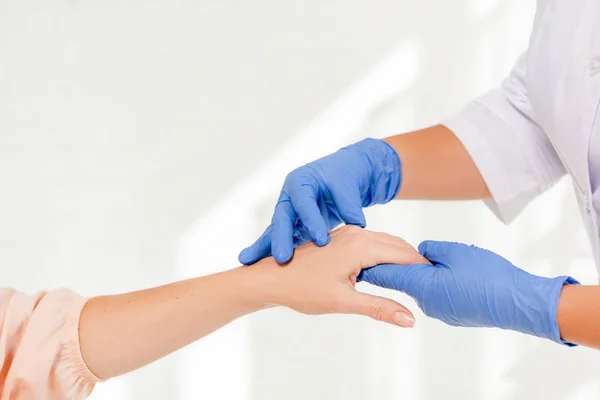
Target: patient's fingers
[[404, 246], [387, 238], [258, 250], [400, 243], [379, 308], [389, 249]]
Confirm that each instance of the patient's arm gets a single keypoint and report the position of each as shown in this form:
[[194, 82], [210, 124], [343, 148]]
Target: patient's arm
[[123, 332]]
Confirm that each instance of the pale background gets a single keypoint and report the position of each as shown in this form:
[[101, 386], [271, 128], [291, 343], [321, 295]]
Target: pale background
[[143, 142]]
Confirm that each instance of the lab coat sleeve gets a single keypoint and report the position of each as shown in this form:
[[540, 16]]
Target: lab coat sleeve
[[511, 151]]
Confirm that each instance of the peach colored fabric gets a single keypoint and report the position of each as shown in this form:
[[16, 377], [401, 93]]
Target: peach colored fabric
[[39, 346]]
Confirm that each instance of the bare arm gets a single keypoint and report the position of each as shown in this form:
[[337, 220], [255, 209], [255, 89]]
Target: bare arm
[[578, 315], [123, 332], [436, 166]]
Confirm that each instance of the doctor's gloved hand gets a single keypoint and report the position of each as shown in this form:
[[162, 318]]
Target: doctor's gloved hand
[[473, 287], [321, 195]]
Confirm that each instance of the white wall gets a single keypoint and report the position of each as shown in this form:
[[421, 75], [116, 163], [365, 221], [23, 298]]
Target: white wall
[[143, 142]]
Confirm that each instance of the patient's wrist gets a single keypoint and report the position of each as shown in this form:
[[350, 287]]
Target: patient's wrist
[[262, 284]]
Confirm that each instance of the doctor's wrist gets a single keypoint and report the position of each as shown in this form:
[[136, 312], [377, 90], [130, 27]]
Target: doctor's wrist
[[385, 169], [541, 303]]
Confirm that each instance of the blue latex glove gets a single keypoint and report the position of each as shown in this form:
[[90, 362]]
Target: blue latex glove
[[474, 287], [325, 193]]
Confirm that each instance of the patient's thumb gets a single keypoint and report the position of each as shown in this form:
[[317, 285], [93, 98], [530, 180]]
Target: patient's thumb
[[381, 309]]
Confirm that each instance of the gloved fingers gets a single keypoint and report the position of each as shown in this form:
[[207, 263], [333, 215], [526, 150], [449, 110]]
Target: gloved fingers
[[404, 278], [442, 252], [379, 308], [304, 201], [282, 236], [410, 255], [260, 249], [349, 205]]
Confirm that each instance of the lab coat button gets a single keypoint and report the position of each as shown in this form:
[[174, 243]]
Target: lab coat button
[[587, 203], [594, 67]]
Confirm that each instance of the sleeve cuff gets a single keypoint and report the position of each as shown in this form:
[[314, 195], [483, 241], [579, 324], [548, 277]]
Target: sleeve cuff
[[72, 347], [514, 158]]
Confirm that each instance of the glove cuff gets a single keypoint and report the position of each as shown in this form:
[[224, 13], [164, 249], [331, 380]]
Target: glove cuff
[[555, 296], [386, 170], [542, 298]]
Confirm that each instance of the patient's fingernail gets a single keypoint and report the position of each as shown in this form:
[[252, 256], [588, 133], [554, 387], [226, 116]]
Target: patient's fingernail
[[404, 320]]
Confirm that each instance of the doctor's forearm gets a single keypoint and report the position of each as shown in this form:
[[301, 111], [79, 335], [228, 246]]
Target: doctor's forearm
[[578, 315], [436, 166]]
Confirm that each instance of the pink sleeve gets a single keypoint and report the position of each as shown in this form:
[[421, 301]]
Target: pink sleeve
[[39, 346]]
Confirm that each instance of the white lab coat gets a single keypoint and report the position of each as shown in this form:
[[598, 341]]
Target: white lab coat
[[541, 123]]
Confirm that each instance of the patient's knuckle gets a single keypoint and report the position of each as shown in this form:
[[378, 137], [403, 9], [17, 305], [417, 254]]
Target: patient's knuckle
[[356, 234], [378, 310], [351, 230], [346, 234]]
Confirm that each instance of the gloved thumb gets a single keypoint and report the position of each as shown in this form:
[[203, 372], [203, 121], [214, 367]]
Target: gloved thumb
[[404, 278], [439, 252], [380, 309], [388, 276]]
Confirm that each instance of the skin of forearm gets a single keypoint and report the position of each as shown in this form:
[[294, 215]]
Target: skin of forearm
[[124, 332], [578, 315], [436, 166], [121, 333]]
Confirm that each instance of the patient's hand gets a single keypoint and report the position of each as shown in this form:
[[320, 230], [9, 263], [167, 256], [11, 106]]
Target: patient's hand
[[321, 280]]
